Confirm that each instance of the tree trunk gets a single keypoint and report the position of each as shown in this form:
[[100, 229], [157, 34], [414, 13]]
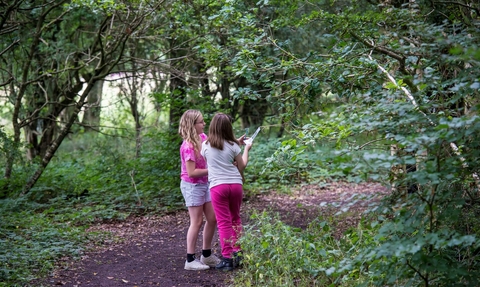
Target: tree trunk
[[225, 90], [91, 116], [133, 100], [52, 148], [177, 88], [282, 124], [177, 104], [18, 96], [253, 112]]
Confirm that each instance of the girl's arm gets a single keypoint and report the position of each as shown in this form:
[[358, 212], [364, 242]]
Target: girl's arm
[[245, 153], [242, 159], [195, 172]]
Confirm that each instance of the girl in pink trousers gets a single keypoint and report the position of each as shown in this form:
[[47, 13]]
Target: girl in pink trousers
[[226, 184]]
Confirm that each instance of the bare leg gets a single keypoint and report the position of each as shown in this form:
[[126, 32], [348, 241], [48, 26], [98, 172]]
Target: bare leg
[[210, 225], [196, 220]]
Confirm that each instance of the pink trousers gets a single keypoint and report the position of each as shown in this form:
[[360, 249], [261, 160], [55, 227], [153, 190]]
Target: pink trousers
[[226, 200]]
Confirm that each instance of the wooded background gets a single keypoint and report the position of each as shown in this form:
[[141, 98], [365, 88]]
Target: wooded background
[[375, 90]]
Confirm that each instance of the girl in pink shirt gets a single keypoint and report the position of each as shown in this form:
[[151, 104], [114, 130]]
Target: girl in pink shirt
[[195, 191]]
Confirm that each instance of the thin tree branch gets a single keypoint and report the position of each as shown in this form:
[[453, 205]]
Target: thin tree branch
[[6, 82], [9, 47], [399, 57], [417, 271], [477, 10], [380, 49], [412, 100], [370, 142]]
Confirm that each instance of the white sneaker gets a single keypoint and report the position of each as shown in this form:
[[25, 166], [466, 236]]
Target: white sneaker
[[211, 260], [195, 265]]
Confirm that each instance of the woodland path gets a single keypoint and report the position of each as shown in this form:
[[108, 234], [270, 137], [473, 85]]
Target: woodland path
[[150, 251]]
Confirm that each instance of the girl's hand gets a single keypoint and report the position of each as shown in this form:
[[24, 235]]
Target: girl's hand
[[242, 139], [248, 146]]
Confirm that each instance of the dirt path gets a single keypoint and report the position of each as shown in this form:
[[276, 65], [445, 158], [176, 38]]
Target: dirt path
[[150, 251]]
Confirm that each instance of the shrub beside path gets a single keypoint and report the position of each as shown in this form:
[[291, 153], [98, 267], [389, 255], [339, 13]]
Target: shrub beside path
[[150, 250]]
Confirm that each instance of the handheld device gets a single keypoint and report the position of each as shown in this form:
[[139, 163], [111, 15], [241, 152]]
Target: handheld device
[[250, 140]]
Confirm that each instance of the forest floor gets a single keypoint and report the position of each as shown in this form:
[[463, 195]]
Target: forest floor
[[150, 250]]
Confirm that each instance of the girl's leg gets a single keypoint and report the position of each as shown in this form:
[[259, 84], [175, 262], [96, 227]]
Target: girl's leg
[[194, 195], [208, 258], [236, 197], [196, 220], [220, 200], [210, 225]]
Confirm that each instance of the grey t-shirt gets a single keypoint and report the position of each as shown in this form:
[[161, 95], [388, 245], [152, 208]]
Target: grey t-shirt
[[220, 164]]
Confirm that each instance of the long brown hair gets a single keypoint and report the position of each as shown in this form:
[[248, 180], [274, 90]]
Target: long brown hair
[[221, 130], [186, 129]]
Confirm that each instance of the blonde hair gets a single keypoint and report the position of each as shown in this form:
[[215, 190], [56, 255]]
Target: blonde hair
[[186, 129]]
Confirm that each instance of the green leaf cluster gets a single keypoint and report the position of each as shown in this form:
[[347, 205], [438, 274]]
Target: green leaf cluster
[[276, 254]]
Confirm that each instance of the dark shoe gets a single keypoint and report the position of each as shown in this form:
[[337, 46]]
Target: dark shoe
[[237, 259], [225, 265]]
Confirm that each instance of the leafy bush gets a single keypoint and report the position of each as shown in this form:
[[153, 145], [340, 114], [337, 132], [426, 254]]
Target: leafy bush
[[422, 243], [276, 254], [414, 92]]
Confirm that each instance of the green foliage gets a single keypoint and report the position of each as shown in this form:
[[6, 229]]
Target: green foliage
[[348, 81], [33, 242], [110, 172], [6, 144], [10, 150], [280, 255], [329, 148], [291, 164], [419, 246], [92, 179], [96, 6], [415, 90], [276, 163]]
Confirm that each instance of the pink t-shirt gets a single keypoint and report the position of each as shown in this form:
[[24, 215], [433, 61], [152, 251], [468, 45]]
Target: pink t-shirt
[[187, 152]]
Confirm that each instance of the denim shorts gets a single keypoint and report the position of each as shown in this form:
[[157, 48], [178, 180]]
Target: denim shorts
[[195, 194]]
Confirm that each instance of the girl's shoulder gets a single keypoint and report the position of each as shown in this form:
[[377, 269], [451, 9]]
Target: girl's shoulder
[[205, 144], [203, 136], [232, 145], [186, 145]]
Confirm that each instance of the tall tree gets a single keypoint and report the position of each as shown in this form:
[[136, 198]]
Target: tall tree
[[65, 49], [92, 110]]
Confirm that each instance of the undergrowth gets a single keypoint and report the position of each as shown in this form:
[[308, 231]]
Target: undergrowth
[[95, 179], [32, 241], [276, 254], [91, 180], [100, 179]]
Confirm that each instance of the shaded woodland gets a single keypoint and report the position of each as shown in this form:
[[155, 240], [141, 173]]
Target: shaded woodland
[[380, 91]]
